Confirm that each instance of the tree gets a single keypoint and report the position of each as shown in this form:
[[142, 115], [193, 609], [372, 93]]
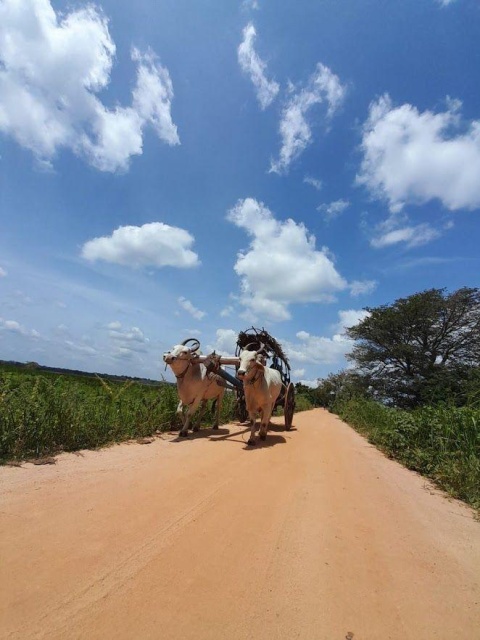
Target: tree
[[338, 387], [418, 344]]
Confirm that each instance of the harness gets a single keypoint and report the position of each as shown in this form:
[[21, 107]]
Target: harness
[[184, 372], [255, 378]]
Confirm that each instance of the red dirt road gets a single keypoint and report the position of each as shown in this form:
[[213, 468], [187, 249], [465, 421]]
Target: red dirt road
[[312, 535]]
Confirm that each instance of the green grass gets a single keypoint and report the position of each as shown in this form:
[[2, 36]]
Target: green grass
[[42, 413], [442, 443]]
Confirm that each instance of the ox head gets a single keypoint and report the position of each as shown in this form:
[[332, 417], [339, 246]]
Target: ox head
[[251, 361], [181, 351]]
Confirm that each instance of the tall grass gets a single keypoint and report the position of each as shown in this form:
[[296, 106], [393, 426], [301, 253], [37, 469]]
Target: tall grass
[[440, 442], [41, 414]]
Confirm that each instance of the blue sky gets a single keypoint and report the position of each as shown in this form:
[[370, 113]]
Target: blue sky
[[172, 169]]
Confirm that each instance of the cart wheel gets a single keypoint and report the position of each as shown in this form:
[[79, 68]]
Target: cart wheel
[[242, 413], [289, 405]]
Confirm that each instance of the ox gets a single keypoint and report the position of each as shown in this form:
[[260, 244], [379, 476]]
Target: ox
[[194, 385], [262, 387]]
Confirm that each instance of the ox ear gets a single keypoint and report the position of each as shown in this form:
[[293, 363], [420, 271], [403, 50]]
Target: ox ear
[[261, 359]]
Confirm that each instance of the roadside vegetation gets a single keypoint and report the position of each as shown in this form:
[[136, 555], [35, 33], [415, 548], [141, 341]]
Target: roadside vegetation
[[414, 387], [42, 413], [45, 412]]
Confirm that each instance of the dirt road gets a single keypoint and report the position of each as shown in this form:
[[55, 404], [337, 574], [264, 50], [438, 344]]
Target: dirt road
[[312, 535]]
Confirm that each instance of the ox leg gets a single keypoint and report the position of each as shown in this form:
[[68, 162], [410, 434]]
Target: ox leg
[[179, 412], [264, 425], [191, 410], [218, 406], [251, 440], [203, 406]]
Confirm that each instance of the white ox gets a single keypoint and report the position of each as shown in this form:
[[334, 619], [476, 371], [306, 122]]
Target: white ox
[[262, 386], [194, 385]]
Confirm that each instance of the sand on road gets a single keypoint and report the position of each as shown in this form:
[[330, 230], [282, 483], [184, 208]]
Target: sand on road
[[313, 534]]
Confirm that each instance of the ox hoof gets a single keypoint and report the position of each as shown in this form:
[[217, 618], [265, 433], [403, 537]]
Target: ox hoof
[[263, 436], [251, 442], [183, 434]]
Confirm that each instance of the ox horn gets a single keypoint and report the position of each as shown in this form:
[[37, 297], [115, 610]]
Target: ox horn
[[254, 344], [196, 344]]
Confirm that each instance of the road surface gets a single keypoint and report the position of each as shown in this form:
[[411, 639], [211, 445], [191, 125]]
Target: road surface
[[313, 535]]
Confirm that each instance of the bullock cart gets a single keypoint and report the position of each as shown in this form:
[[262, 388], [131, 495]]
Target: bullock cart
[[257, 340]]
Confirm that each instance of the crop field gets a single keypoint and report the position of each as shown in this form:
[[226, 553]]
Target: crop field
[[42, 413]]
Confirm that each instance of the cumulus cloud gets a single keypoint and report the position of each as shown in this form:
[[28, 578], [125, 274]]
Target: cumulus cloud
[[282, 265], [51, 69], [126, 343], [412, 157], [3, 272], [311, 349], [252, 65], [153, 244], [189, 308], [298, 373], [333, 209], [295, 130], [349, 318], [225, 342]]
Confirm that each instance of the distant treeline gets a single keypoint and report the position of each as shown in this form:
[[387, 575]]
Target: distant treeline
[[12, 365]]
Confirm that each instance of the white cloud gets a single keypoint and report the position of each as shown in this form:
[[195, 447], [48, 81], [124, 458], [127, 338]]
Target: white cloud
[[295, 131], [253, 66], [154, 244], [314, 182], [362, 287], [189, 308], [319, 350], [413, 236], [333, 209], [129, 335], [310, 383], [298, 373], [322, 350], [51, 68], [16, 327], [225, 343], [349, 318], [126, 343], [226, 312], [114, 325], [3, 273], [412, 157], [282, 265]]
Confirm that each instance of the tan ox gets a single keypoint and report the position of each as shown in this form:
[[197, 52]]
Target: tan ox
[[261, 386], [195, 386]]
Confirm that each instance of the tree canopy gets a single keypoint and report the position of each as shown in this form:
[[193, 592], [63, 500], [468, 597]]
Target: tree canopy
[[428, 343]]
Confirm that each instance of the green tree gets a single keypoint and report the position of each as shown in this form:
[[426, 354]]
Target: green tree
[[419, 347]]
